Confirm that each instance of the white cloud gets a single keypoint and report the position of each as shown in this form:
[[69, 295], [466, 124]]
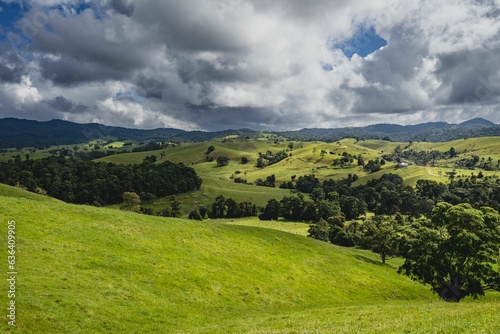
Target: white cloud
[[232, 63]]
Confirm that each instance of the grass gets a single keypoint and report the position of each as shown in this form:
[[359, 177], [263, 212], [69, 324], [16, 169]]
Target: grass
[[90, 270], [305, 159], [280, 225], [8, 191], [93, 270]]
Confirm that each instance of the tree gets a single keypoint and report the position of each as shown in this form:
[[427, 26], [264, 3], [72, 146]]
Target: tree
[[318, 194], [379, 236], [352, 207], [131, 202], [210, 149], [195, 214], [219, 207], [176, 207], [244, 160], [271, 211], [327, 209], [455, 252], [222, 161], [319, 230]]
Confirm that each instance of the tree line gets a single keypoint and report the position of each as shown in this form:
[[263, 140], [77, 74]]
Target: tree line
[[82, 181]]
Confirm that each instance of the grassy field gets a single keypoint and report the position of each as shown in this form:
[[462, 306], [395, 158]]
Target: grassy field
[[306, 158], [8, 191], [96, 270]]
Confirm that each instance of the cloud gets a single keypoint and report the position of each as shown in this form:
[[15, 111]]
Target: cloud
[[257, 64]]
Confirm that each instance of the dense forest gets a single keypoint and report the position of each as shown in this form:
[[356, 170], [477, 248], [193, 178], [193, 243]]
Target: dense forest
[[85, 182]]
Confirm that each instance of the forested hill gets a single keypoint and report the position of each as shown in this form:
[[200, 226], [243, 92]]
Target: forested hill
[[430, 132], [16, 133]]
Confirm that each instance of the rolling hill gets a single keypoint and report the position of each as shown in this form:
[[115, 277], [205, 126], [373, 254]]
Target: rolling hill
[[91, 270], [18, 133]]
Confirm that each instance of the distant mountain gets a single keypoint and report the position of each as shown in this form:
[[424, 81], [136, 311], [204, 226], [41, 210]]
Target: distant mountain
[[27, 133], [476, 122], [15, 133], [431, 131]]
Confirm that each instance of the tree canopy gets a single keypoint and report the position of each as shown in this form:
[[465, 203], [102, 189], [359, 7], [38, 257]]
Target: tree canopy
[[455, 252]]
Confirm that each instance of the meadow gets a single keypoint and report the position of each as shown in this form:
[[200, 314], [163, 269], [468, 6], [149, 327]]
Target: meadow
[[96, 270], [305, 159]]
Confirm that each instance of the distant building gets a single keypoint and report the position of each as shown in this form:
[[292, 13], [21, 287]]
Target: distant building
[[403, 165]]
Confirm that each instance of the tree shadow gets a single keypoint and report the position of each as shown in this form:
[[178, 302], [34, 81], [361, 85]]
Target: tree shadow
[[368, 260]]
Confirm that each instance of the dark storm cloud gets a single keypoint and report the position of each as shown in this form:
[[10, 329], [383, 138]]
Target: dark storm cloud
[[470, 75], [12, 68], [121, 7], [220, 118], [68, 72], [60, 103], [190, 26]]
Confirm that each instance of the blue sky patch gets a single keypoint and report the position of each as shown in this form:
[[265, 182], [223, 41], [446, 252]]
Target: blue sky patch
[[10, 13], [364, 42]]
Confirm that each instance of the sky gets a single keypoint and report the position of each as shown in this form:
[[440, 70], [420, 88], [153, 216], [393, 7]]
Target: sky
[[258, 64]]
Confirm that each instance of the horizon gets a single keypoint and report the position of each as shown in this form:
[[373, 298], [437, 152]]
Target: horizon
[[239, 129], [231, 64]]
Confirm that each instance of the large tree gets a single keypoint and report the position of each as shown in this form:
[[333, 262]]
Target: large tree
[[456, 252]]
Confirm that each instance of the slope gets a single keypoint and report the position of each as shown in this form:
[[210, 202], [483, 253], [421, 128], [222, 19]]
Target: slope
[[91, 270]]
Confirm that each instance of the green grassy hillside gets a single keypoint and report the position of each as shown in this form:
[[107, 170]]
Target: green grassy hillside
[[88, 270], [306, 158], [8, 191]]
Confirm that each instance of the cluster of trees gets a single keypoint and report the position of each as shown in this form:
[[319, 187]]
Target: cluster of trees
[[455, 250], [229, 208], [346, 160], [421, 158], [297, 208], [270, 181], [373, 166], [154, 146], [386, 195], [270, 158], [476, 162], [85, 182]]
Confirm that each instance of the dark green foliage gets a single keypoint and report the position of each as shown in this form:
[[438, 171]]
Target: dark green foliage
[[455, 252], [203, 212], [379, 235], [151, 159], [307, 184], [320, 230], [271, 211], [269, 182], [244, 160], [373, 166], [195, 215], [222, 161], [421, 158], [152, 146], [269, 158], [228, 208], [84, 182], [131, 202], [210, 149], [176, 207], [352, 207]]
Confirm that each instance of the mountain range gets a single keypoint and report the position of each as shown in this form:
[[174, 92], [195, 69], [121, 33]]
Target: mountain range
[[16, 133]]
